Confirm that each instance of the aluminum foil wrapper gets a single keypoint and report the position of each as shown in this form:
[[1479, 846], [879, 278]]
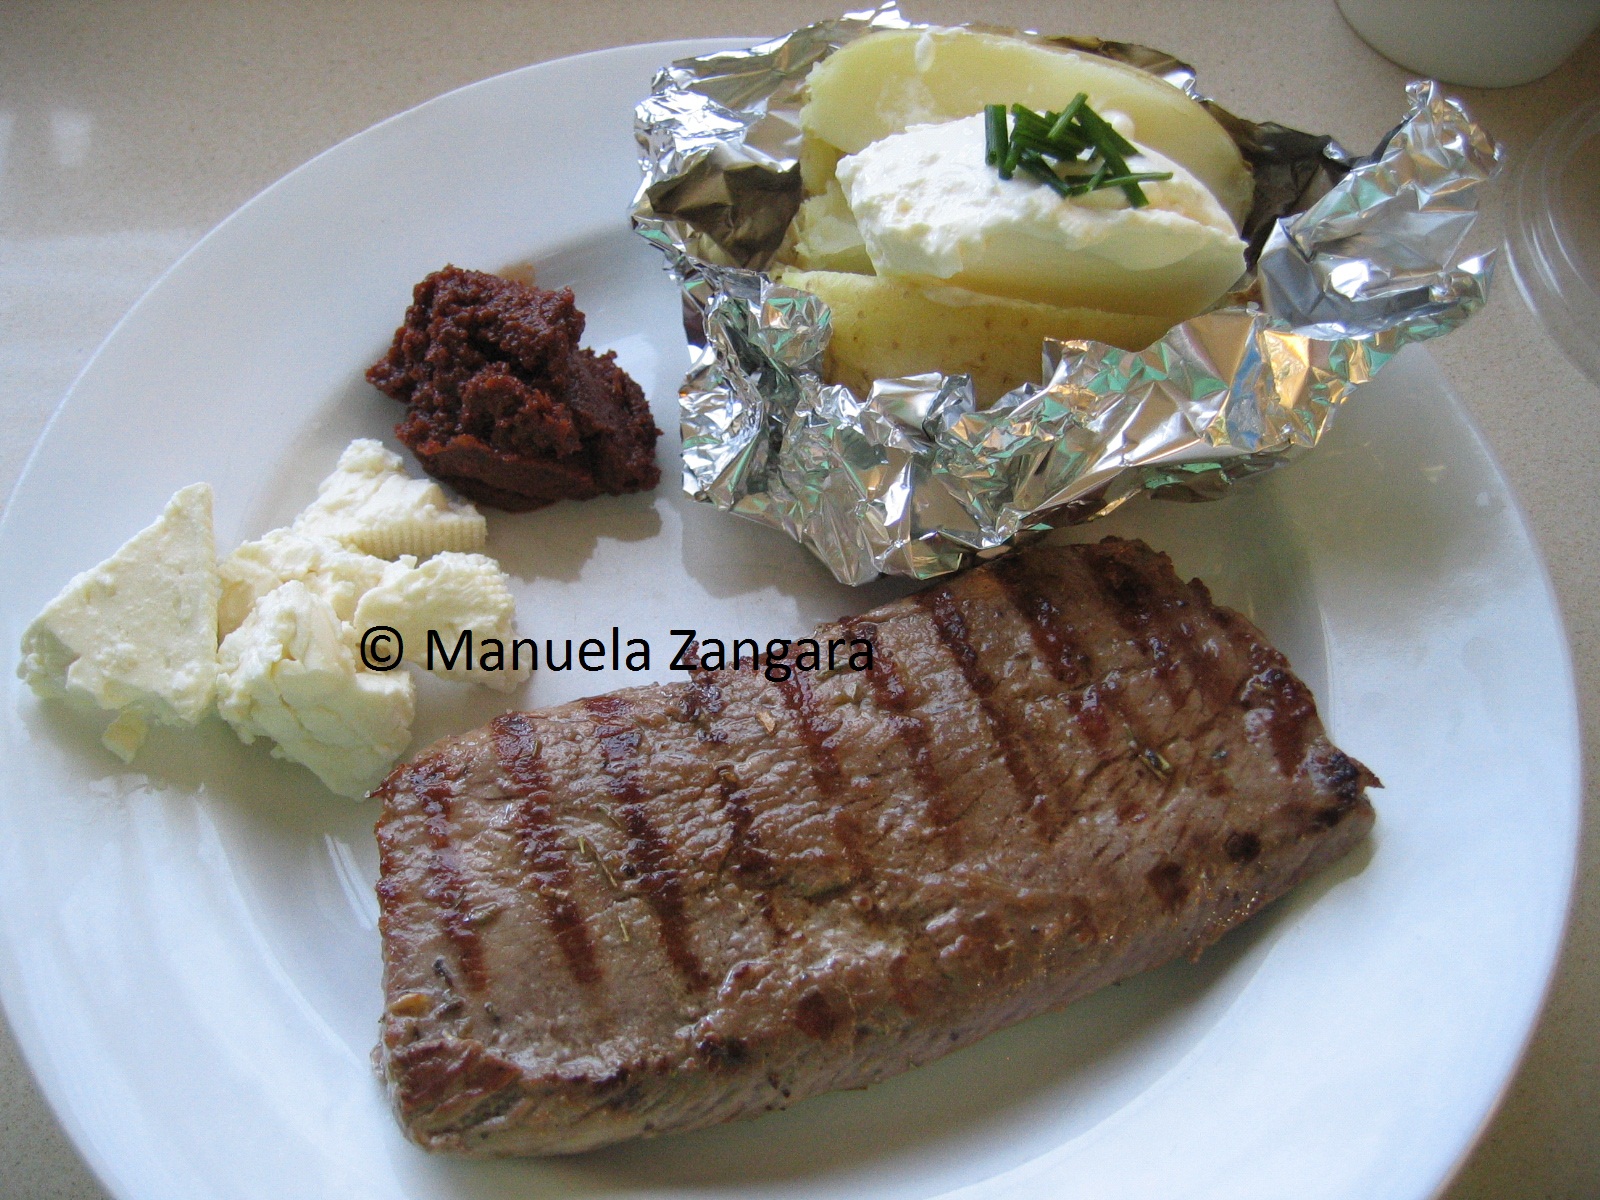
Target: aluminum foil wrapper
[[1351, 260]]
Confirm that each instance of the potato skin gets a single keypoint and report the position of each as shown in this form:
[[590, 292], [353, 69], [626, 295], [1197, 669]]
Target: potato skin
[[884, 328]]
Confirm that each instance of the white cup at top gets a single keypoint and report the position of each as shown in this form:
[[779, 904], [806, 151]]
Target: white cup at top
[[1478, 43]]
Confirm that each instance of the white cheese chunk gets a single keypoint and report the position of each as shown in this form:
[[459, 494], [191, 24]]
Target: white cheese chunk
[[449, 594], [125, 735], [287, 674], [930, 208], [372, 505], [334, 571], [138, 633]]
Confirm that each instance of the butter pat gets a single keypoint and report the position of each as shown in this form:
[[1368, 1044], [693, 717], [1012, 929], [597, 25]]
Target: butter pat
[[930, 209], [287, 674], [370, 504], [137, 635], [449, 594], [332, 570]]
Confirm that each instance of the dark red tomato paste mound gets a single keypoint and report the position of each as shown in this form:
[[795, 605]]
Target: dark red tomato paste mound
[[504, 405]]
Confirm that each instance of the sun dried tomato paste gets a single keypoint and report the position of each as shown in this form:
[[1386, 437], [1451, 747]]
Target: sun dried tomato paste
[[504, 405]]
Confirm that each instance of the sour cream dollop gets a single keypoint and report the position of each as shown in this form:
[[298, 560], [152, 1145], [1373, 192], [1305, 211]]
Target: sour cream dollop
[[929, 207]]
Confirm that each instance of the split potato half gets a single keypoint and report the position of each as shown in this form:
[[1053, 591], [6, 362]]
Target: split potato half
[[992, 325], [885, 82], [885, 328]]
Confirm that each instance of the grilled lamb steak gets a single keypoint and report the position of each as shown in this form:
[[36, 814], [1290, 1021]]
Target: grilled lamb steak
[[677, 905]]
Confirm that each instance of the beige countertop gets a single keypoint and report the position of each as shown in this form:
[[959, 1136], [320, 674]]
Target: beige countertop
[[127, 130]]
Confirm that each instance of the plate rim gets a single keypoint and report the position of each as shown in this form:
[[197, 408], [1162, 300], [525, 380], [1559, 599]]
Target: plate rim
[[1573, 771], [27, 1038]]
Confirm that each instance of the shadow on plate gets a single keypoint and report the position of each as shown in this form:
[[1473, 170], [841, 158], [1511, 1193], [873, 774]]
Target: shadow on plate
[[556, 542], [732, 556]]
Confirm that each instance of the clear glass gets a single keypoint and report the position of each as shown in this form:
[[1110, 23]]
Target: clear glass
[[1554, 236]]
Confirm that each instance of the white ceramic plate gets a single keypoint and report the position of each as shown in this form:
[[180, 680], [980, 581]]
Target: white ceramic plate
[[189, 953]]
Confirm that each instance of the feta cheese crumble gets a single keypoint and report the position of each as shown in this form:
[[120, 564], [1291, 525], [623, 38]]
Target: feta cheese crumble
[[136, 635], [295, 602], [334, 571], [370, 504], [286, 673], [450, 593]]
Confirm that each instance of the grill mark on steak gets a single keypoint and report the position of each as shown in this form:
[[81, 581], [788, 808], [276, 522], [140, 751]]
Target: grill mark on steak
[[517, 748], [1162, 626], [1090, 706], [815, 736], [1282, 709], [951, 627], [1134, 604], [1183, 636], [823, 760], [752, 865], [702, 701], [1058, 649], [815, 1017], [662, 884], [746, 855], [1167, 882], [890, 689], [434, 787]]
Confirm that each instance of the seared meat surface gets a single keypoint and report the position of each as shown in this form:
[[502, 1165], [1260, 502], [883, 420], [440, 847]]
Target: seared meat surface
[[677, 905]]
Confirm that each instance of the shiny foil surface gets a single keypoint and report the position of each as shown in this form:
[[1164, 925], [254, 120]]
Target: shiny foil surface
[[1351, 260]]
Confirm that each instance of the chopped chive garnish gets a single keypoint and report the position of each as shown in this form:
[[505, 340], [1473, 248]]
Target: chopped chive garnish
[[1021, 114], [1077, 136], [1063, 123], [1136, 177], [1008, 165], [1036, 166], [1082, 185], [995, 141], [1099, 131]]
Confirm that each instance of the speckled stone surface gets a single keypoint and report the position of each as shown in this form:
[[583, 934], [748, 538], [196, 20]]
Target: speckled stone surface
[[128, 130]]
